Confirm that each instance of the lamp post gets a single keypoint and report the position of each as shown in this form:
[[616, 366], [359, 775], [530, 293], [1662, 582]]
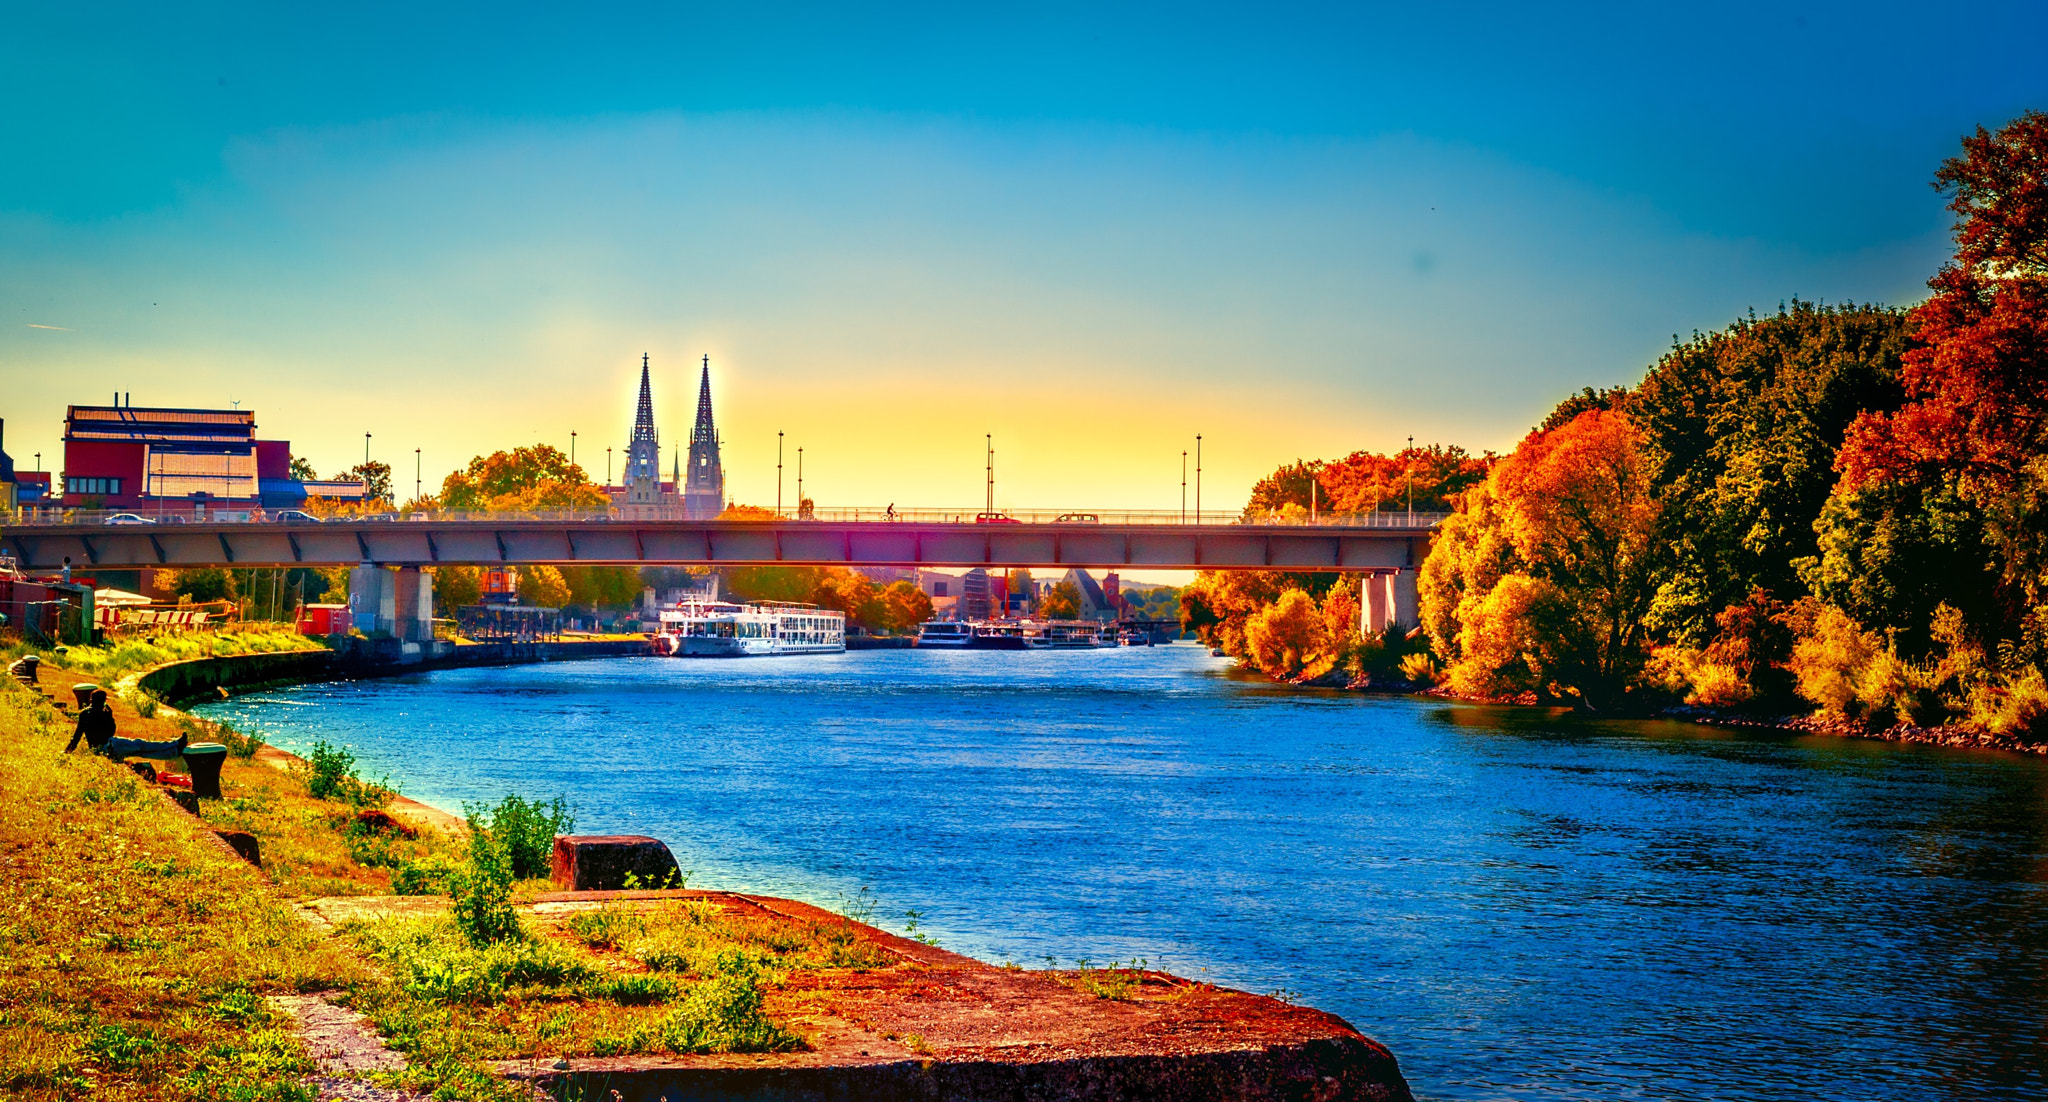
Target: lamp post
[[989, 473], [607, 468], [1198, 478], [799, 481], [572, 447], [416, 474], [366, 452], [1410, 465], [778, 476], [1183, 485]]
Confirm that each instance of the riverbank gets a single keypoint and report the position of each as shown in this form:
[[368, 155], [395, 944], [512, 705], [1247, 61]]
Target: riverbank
[[352, 659]]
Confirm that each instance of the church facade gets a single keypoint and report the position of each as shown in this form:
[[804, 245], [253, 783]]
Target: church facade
[[696, 492]]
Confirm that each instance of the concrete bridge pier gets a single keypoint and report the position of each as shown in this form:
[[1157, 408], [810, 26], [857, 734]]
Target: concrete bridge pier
[[392, 603], [1388, 598]]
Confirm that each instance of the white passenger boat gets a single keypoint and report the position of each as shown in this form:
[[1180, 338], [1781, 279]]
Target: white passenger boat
[[1066, 635], [943, 634], [725, 630]]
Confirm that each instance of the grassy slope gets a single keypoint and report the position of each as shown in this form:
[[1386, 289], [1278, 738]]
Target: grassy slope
[[133, 949]]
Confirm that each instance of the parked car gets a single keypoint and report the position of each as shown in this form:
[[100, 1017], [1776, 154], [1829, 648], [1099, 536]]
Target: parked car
[[128, 518], [293, 516], [995, 518], [1078, 518], [376, 518]]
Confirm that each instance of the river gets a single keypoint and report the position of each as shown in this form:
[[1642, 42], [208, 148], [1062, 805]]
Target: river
[[1521, 904]]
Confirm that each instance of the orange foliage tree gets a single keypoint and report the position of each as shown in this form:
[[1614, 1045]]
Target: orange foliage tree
[[539, 477], [1544, 582]]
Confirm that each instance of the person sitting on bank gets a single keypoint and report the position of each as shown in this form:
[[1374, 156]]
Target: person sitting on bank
[[96, 727], [95, 723]]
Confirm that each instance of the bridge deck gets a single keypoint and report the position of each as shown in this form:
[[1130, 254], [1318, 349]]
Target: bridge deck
[[729, 543]]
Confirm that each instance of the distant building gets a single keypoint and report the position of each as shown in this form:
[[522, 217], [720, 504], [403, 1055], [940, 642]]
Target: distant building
[[123, 457], [704, 481], [1096, 603], [975, 586]]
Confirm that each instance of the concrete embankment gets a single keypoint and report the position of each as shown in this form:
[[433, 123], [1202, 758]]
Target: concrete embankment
[[199, 678]]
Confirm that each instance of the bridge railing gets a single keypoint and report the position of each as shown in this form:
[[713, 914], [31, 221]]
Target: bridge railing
[[51, 516]]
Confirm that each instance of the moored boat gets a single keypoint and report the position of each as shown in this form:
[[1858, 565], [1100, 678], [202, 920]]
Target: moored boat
[[726, 630], [945, 634]]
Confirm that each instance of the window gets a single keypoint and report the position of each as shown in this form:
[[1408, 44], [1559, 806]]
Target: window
[[103, 486], [938, 589]]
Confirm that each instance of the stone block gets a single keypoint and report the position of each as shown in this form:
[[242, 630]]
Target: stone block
[[243, 843], [183, 797], [602, 862]]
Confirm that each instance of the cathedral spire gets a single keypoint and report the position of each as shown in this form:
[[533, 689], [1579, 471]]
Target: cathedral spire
[[643, 420], [643, 452], [704, 488]]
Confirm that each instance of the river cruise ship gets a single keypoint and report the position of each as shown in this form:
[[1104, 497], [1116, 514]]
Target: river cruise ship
[[725, 630], [945, 634]]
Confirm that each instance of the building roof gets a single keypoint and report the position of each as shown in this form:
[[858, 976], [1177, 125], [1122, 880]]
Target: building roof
[[158, 425]]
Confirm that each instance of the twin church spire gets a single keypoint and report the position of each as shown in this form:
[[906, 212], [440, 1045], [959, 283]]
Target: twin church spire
[[700, 485]]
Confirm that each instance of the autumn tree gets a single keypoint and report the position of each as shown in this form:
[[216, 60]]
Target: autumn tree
[[542, 587], [1556, 574], [455, 586], [1974, 429], [905, 606], [1061, 602], [375, 477], [539, 477], [1364, 481]]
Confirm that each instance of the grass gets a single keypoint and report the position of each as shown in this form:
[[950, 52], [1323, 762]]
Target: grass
[[605, 981], [133, 951], [134, 654]]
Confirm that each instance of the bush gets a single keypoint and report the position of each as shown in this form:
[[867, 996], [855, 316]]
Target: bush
[[431, 875], [333, 777], [482, 906], [525, 830], [721, 1014], [2016, 709]]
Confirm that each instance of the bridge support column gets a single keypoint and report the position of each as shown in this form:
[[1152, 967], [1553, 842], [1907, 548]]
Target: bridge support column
[[413, 608], [372, 599], [1375, 605], [1407, 610]]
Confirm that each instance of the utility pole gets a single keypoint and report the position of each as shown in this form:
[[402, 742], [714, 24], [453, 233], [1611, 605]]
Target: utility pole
[[1183, 485], [572, 447], [415, 474], [1411, 480], [778, 475], [799, 480], [607, 468], [989, 442], [1198, 478], [366, 450]]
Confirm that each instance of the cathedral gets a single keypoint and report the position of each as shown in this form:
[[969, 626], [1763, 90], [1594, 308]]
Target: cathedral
[[700, 490]]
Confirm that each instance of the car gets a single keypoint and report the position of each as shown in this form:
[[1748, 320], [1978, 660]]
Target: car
[[995, 518], [376, 518], [128, 518], [293, 516], [1078, 518]]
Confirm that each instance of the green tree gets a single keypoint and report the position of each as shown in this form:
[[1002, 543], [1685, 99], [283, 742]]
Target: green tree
[[375, 477], [602, 586], [907, 606]]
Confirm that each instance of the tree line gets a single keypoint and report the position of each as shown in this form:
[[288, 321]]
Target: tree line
[[1838, 506]]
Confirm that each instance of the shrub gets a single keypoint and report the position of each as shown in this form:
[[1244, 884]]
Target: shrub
[[431, 875], [333, 777], [1420, 668], [525, 830], [2016, 708], [605, 927], [1830, 659], [482, 906], [722, 1013]]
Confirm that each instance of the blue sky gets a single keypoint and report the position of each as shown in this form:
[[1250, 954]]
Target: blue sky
[[1296, 230]]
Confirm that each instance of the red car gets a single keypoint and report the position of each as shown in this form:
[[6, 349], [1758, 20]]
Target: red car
[[995, 518]]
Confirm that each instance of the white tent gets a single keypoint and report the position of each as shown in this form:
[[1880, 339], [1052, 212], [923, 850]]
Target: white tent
[[117, 598]]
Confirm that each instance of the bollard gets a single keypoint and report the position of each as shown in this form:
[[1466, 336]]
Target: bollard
[[83, 691], [603, 862], [203, 761]]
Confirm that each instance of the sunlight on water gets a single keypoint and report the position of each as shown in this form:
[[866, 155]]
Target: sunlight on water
[[1522, 905]]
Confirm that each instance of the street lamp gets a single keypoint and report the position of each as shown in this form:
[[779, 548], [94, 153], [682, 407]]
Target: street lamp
[[1410, 464], [415, 474], [778, 476], [1183, 485], [799, 481], [607, 468], [572, 448], [1198, 478], [366, 449]]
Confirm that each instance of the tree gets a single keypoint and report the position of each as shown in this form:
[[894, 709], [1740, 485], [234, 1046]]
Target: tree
[[1364, 481], [1975, 424], [746, 512], [375, 477], [539, 477], [455, 586], [1289, 636], [1576, 509], [1742, 427], [303, 471], [1061, 602], [201, 584], [906, 606], [542, 587], [602, 586], [774, 583]]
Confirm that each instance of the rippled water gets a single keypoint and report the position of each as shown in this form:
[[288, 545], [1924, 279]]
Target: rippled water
[[1521, 905]]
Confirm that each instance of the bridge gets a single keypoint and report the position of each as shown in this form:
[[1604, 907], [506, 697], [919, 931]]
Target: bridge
[[929, 538]]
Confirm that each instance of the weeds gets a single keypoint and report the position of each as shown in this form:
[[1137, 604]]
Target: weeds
[[332, 776], [483, 893], [1117, 982], [606, 927], [525, 830]]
